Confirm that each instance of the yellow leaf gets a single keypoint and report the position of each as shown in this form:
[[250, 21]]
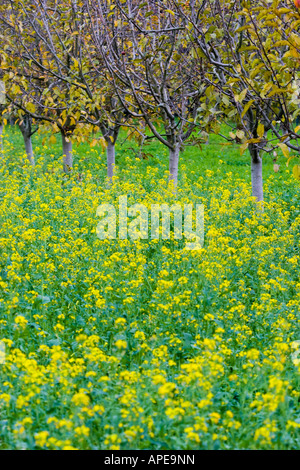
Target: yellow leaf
[[195, 53], [260, 130], [296, 172], [253, 141], [243, 147], [284, 148], [247, 107], [103, 143], [242, 95], [256, 70], [52, 139]]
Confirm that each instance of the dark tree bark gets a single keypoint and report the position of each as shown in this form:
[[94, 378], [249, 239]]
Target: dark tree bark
[[67, 152], [25, 126]]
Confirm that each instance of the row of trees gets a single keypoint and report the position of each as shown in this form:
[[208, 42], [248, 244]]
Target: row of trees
[[168, 69]]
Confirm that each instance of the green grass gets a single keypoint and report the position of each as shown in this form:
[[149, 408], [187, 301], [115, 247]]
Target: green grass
[[198, 159]]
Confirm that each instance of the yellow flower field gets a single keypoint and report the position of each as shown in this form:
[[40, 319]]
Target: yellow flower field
[[122, 344]]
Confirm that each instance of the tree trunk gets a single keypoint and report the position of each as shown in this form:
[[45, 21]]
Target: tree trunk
[[25, 128], [256, 173], [110, 153], [173, 164], [67, 153], [1, 136], [28, 147]]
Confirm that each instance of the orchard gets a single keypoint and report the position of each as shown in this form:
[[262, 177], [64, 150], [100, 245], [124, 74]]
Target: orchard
[[140, 339]]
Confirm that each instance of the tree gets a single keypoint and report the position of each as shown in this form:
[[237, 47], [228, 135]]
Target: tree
[[35, 85], [252, 69], [52, 38], [2, 109], [25, 125], [146, 52]]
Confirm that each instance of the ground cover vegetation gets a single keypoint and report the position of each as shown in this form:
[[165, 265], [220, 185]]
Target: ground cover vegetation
[[143, 344]]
